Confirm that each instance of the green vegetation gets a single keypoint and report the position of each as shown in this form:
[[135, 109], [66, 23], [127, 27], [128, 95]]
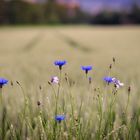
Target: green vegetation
[[92, 109], [50, 12]]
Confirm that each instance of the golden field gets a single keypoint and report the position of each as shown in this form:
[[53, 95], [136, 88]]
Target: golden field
[[27, 55]]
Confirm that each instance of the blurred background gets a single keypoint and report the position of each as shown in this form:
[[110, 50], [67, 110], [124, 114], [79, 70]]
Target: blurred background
[[69, 11]]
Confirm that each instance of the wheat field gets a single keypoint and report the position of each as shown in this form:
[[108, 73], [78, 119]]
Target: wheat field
[[27, 56]]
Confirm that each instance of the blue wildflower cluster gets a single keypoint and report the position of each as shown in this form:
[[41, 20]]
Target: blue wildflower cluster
[[86, 69], [62, 105]]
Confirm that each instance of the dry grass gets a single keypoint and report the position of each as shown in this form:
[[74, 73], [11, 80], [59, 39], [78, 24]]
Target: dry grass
[[27, 55]]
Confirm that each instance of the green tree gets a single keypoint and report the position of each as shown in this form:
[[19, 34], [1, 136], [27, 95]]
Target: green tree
[[22, 12], [51, 13], [135, 15], [2, 11]]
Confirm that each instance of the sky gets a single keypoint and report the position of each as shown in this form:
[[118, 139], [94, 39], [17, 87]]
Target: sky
[[96, 5], [93, 6]]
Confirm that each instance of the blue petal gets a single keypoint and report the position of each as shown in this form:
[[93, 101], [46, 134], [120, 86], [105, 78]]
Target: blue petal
[[3, 81], [60, 117], [86, 68], [108, 79], [60, 62]]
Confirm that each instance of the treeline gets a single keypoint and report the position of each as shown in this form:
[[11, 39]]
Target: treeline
[[123, 17], [22, 12]]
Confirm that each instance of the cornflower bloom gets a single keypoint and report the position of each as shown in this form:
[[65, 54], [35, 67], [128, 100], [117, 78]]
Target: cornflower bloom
[[60, 63], [108, 79], [59, 118], [86, 69], [3, 82]]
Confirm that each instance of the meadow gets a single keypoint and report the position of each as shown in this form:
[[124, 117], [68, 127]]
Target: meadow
[[90, 108]]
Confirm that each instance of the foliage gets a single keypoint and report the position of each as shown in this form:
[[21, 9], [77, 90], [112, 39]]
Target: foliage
[[22, 12]]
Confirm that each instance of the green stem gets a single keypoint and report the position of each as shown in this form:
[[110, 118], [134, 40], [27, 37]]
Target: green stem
[[71, 98], [1, 96], [58, 92], [54, 92], [100, 115], [110, 111], [128, 99], [56, 106]]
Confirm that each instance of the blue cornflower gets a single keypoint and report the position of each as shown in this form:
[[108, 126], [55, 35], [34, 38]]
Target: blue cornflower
[[59, 118], [108, 79], [86, 68], [60, 63], [3, 82]]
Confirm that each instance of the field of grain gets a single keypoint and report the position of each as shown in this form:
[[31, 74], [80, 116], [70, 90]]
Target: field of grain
[[91, 110]]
